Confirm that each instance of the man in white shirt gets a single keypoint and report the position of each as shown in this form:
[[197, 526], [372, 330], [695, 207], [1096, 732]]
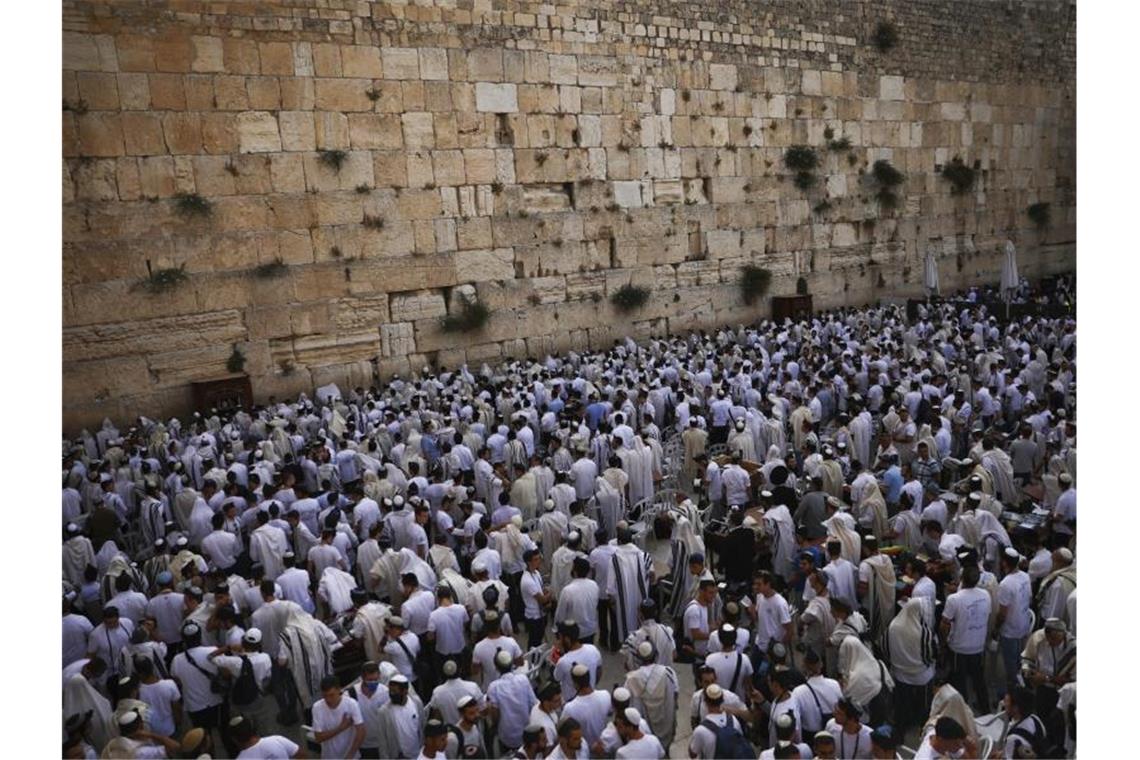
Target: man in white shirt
[[948, 739], [1014, 596], [590, 707], [131, 604], [965, 620], [446, 696], [702, 744], [417, 606], [447, 627], [636, 745], [401, 646], [254, 746], [370, 697], [698, 619], [578, 601], [337, 723], [106, 640], [192, 669], [536, 597], [511, 698], [733, 669], [575, 652], [294, 583], [221, 546], [483, 655], [816, 697], [771, 613]]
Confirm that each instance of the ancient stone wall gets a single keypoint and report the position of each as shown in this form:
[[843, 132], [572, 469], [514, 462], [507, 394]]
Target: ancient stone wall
[[371, 166]]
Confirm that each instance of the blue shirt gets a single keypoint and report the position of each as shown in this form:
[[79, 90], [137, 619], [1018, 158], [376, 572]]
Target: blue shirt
[[893, 480], [594, 414]]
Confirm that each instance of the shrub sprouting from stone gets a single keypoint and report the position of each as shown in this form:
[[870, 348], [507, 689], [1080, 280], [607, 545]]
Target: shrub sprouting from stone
[[885, 37], [627, 298], [960, 176], [236, 363], [192, 204], [270, 269], [1039, 213], [472, 317], [754, 282], [164, 280], [333, 159]]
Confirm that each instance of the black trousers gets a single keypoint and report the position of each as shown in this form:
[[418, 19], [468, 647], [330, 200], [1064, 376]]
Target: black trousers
[[912, 704], [970, 669], [536, 631], [607, 625]]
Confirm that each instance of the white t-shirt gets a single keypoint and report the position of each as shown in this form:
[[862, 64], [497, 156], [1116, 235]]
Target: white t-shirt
[[514, 698], [196, 685], [484, 655], [1014, 594], [398, 657], [161, 697], [529, 585], [772, 614], [647, 747], [270, 748], [588, 655], [326, 718], [592, 711], [724, 663], [816, 699], [703, 742], [578, 601], [850, 746], [449, 623], [968, 611], [697, 616]]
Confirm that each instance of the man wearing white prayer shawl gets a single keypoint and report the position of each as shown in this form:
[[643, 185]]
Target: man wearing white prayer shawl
[[912, 650], [79, 699], [1000, 467], [562, 562], [267, 545], [611, 505], [524, 493], [831, 473], [863, 677], [779, 525], [841, 526], [629, 582], [305, 651], [653, 693], [77, 555], [684, 544], [862, 427], [368, 625], [877, 587], [553, 527], [335, 589], [563, 494], [653, 632], [816, 622], [385, 574], [741, 442], [871, 511], [366, 555], [1056, 586]]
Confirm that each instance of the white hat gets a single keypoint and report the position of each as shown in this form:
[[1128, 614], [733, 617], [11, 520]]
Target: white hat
[[252, 636], [549, 504], [503, 659], [399, 679], [1066, 553], [621, 694], [645, 650], [714, 692], [464, 701], [577, 671], [479, 565], [632, 716], [127, 718]]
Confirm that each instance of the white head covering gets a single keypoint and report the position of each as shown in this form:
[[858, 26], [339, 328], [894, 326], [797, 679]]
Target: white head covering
[[864, 675], [911, 643], [79, 696]]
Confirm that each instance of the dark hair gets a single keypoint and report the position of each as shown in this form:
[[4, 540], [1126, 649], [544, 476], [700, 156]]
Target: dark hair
[[330, 682], [567, 727], [970, 576]]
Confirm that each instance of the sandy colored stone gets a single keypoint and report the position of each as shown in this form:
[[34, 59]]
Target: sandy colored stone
[[258, 132]]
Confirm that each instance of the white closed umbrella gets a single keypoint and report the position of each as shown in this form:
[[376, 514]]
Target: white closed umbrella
[[930, 273], [1009, 278]]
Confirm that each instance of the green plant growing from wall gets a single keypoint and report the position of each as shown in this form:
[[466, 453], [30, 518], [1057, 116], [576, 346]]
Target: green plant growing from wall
[[236, 363], [192, 204], [754, 282], [960, 176], [885, 37], [1040, 214], [270, 269], [472, 317], [801, 287], [840, 145], [887, 177], [164, 280], [628, 298], [803, 161], [334, 159]]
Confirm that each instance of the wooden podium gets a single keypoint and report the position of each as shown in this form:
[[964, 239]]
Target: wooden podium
[[793, 307]]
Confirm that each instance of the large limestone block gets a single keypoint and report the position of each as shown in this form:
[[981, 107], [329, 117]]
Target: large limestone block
[[423, 304], [722, 76], [723, 244], [487, 264], [891, 88], [400, 63], [628, 194], [258, 132], [491, 97]]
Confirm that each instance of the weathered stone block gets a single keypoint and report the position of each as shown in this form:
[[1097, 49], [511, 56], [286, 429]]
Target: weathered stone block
[[400, 63], [891, 88], [496, 98], [258, 132], [480, 265]]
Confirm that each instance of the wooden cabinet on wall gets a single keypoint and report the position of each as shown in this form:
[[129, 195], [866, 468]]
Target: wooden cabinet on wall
[[792, 307]]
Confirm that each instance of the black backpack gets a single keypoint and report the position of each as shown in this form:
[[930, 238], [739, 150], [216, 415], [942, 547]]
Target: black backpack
[[245, 690], [1038, 740]]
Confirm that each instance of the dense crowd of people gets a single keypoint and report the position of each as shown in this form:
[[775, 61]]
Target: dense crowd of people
[[871, 542]]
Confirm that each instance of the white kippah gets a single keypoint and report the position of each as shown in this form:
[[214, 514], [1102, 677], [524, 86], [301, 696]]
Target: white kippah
[[621, 694], [579, 670], [632, 716], [645, 650]]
